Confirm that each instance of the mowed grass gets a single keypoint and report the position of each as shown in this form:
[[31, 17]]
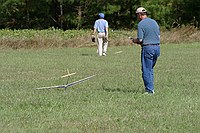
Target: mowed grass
[[110, 102]]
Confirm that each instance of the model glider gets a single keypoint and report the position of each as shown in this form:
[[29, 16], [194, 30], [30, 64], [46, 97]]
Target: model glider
[[70, 74], [68, 85]]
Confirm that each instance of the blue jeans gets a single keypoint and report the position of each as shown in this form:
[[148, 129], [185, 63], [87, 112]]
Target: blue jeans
[[149, 56]]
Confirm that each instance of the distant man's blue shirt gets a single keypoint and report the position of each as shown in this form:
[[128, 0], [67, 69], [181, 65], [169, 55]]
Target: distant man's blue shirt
[[148, 31], [101, 25]]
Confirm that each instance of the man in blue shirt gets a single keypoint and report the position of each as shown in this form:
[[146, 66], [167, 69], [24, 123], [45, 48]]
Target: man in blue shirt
[[148, 36], [101, 27]]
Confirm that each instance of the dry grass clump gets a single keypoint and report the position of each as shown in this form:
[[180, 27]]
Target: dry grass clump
[[27, 39], [180, 35], [56, 41]]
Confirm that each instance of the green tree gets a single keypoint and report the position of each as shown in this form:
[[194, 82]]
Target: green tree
[[77, 14], [9, 12], [160, 10], [24, 14], [186, 12]]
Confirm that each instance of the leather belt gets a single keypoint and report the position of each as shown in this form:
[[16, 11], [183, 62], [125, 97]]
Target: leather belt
[[151, 44]]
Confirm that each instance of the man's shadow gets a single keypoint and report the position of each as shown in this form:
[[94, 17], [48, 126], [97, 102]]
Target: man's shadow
[[120, 89]]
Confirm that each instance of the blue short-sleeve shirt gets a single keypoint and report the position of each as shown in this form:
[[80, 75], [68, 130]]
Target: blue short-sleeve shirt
[[148, 31], [101, 25]]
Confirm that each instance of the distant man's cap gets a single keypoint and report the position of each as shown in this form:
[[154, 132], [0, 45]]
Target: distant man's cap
[[141, 10], [101, 15]]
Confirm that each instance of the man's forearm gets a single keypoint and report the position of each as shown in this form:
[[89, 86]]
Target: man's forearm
[[107, 32], [94, 31]]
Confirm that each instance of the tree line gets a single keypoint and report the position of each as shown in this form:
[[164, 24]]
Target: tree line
[[81, 14]]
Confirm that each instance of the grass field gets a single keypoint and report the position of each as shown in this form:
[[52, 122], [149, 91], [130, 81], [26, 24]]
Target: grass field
[[111, 102]]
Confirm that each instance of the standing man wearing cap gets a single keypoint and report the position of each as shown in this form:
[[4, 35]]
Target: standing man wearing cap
[[148, 36], [101, 27]]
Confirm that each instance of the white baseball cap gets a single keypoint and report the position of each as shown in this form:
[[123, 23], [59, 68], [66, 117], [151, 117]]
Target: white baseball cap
[[141, 10]]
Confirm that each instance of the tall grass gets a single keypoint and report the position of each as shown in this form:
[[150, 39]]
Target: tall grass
[[111, 102], [42, 38], [52, 38], [180, 35]]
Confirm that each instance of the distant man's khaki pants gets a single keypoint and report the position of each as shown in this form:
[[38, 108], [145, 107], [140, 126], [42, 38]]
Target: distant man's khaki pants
[[102, 43]]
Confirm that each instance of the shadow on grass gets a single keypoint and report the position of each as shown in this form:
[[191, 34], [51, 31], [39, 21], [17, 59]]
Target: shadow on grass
[[124, 90], [86, 54]]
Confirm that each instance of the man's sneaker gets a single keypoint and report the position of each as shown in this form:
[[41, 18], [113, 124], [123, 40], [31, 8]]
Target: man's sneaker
[[104, 54], [149, 93]]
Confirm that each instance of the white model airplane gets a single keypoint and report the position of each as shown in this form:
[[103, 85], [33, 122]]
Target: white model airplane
[[67, 85]]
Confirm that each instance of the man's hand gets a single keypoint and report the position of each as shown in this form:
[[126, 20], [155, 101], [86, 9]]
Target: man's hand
[[106, 38], [136, 41]]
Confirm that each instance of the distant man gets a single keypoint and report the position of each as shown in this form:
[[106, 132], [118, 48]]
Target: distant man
[[148, 35], [101, 27]]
